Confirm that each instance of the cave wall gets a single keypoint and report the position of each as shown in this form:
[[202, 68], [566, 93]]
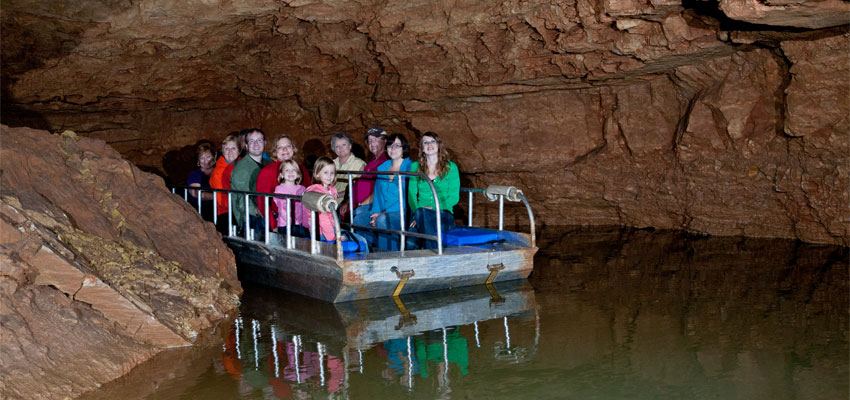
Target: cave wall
[[727, 118]]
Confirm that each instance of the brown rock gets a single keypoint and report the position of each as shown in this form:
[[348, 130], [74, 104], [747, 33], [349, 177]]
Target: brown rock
[[606, 112], [797, 13], [54, 271], [83, 256]]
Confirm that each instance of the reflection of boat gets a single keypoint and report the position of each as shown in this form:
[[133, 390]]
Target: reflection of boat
[[312, 345], [358, 324], [463, 256]]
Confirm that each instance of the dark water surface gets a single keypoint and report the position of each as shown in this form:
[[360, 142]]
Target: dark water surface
[[607, 314]]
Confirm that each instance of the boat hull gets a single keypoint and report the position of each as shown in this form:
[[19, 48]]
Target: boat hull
[[379, 274]]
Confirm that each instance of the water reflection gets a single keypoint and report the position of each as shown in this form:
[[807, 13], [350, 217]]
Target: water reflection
[[298, 347], [607, 314]]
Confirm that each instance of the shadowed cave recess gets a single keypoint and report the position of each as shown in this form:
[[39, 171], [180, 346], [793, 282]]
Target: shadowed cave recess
[[717, 117]]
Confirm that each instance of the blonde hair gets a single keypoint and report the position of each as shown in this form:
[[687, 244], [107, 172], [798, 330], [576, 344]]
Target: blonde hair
[[297, 171], [278, 139], [230, 138], [320, 164], [442, 156]]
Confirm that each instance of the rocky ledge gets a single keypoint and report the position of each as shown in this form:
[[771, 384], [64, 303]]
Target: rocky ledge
[[101, 267]]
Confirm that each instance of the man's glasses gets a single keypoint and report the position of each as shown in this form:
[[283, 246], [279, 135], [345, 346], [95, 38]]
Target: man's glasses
[[255, 141]]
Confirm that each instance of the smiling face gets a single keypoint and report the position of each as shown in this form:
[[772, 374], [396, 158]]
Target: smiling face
[[342, 148], [377, 144], [283, 149], [395, 150], [230, 150], [327, 175], [430, 146], [206, 160], [289, 174], [256, 144]]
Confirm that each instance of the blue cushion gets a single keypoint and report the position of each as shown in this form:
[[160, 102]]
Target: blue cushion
[[464, 236], [354, 244]]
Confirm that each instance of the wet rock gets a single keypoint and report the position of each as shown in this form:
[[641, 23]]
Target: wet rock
[[88, 242]]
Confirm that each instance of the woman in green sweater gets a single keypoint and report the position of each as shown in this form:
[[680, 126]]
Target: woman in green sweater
[[433, 162]]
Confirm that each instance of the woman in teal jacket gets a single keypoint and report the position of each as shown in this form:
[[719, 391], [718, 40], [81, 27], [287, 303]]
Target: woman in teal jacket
[[433, 162], [385, 210]]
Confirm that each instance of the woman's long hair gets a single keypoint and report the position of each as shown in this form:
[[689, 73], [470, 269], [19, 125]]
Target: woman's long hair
[[442, 156]]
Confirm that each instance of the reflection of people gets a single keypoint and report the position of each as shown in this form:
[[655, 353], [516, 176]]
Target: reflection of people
[[431, 349], [230, 357], [397, 357]]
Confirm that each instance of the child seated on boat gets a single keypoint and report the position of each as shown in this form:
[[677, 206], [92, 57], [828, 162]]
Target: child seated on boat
[[324, 172], [290, 183]]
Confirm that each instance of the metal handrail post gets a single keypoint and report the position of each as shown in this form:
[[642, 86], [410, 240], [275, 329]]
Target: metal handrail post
[[215, 208], [530, 219], [313, 247], [230, 215], [351, 202], [248, 232], [288, 224], [438, 211], [199, 201], [501, 212], [185, 194], [338, 244], [469, 222], [401, 236], [266, 217]]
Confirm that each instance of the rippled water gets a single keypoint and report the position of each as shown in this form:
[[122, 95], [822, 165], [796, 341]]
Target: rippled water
[[607, 314]]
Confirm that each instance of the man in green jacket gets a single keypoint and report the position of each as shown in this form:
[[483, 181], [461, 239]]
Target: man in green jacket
[[244, 177]]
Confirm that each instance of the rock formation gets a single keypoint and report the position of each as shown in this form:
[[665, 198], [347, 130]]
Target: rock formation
[[726, 118], [101, 267]]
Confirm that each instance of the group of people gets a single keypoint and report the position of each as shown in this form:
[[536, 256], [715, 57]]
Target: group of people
[[243, 165]]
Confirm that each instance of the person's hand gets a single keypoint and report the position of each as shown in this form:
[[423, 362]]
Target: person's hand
[[343, 238], [373, 218], [343, 209]]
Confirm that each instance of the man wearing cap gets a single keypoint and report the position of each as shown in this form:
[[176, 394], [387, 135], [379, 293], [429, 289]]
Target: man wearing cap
[[376, 142]]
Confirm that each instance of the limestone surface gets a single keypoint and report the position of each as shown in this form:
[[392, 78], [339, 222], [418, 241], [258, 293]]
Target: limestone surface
[[722, 118], [101, 267]]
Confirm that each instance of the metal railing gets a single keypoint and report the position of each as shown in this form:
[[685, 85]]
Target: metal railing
[[314, 248], [248, 231], [438, 237]]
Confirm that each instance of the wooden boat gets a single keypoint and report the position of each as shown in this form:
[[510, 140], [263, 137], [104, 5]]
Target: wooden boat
[[326, 271]]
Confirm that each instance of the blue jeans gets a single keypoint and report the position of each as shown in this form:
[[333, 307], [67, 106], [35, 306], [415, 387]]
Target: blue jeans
[[388, 220], [426, 222], [361, 217]]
